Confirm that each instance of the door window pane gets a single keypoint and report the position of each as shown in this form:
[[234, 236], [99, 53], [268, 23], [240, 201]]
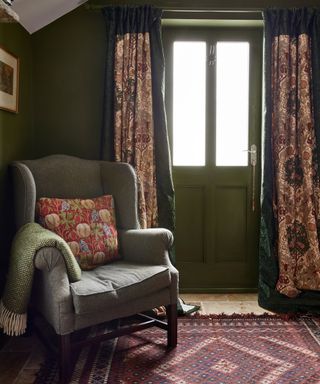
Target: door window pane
[[232, 98], [189, 100]]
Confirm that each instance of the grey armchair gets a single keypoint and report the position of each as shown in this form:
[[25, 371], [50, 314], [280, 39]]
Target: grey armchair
[[143, 279]]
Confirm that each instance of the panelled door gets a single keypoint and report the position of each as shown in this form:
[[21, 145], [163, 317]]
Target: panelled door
[[213, 96]]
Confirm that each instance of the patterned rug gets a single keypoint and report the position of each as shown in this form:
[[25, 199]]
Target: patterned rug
[[237, 349]]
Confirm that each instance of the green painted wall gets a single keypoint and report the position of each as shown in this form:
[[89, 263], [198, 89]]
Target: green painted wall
[[16, 131], [69, 57]]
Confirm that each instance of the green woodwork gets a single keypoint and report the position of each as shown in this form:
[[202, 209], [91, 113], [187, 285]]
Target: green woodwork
[[216, 230], [16, 132]]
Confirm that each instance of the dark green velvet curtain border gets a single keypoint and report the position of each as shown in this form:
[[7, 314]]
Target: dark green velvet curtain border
[[292, 22], [165, 191], [125, 19], [107, 131]]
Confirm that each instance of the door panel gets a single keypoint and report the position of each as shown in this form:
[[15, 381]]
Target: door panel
[[216, 237], [231, 224], [190, 220]]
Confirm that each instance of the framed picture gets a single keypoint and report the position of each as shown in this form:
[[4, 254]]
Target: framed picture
[[9, 81]]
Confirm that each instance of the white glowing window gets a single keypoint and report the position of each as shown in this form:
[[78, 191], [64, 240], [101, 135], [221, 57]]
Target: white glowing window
[[189, 100], [232, 99]]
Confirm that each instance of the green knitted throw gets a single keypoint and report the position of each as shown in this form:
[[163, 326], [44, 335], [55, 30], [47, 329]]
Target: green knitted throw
[[27, 242]]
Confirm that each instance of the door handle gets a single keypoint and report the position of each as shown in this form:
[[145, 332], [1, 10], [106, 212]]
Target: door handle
[[253, 154], [253, 161]]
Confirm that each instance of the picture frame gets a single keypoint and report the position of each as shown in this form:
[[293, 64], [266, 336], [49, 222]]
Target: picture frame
[[9, 81]]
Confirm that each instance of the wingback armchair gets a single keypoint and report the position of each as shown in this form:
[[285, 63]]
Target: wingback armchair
[[143, 279]]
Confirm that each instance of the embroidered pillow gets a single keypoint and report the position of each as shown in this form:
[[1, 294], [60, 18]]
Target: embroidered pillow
[[87, 225]]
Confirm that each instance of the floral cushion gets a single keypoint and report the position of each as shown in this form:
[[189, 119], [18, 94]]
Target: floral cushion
[[87, 225]]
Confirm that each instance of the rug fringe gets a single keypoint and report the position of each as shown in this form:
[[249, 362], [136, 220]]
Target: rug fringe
[[265, 315], [13, 324]]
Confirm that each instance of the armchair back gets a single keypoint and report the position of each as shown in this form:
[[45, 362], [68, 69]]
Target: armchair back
[[65, 176]]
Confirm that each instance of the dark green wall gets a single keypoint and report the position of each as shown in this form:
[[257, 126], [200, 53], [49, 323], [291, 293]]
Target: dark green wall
[[69, 57], [16, 131]]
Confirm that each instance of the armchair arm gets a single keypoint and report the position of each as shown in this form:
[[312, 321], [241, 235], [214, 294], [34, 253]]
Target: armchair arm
[[49, 258], [51, 294], [149, 246]]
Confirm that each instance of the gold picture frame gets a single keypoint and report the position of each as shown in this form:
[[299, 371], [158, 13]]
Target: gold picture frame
[[9, 81]]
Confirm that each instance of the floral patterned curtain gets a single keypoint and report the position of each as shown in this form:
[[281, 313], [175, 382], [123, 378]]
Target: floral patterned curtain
[[135, 108], [134, 139], [290, 231]]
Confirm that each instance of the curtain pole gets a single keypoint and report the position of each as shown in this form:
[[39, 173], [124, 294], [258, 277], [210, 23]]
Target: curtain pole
[[172, 13], [175, 9], [257, 11]]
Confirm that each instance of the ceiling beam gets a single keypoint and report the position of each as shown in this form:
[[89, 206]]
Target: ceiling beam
[[7, 14]]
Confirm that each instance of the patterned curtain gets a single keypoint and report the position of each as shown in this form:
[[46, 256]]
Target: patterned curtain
[[290, 223], [135, 119]]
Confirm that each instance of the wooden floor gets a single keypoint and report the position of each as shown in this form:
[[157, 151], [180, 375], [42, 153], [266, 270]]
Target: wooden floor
[[225, 303], [20, 357]]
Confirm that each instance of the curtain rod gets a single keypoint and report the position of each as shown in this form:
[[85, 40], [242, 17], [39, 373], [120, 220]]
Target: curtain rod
[[218, 14], [96, 7], [174, 12], [211, 10]]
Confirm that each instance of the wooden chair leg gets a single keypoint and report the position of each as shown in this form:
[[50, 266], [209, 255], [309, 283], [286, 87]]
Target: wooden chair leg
[[172, 319], [64, 358]]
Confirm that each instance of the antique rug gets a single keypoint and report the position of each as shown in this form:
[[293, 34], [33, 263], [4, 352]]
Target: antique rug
[[237, 349]]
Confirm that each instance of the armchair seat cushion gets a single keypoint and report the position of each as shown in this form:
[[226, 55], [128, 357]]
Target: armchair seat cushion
[[117, 283]]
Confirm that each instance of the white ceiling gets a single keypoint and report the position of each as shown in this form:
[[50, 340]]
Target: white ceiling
[[36, 14]]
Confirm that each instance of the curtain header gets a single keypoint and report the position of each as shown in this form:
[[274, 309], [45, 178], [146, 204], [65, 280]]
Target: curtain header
[[292, 22], [132, 19]]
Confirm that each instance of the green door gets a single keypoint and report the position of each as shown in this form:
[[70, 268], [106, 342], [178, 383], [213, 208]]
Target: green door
[[213, 93]]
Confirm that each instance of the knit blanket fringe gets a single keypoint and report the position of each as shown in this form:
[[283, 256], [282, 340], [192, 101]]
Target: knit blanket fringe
[[30, 239], [13, 324]]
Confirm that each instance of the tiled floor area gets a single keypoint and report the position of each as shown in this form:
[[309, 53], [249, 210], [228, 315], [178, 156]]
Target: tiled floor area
[[21, 357]]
